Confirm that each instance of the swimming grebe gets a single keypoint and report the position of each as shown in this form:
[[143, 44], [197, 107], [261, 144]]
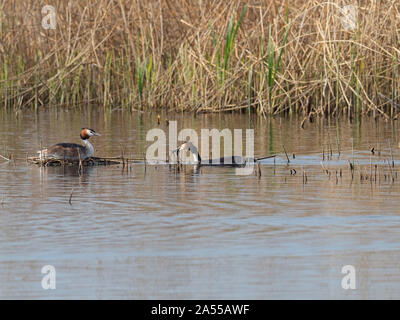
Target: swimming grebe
[[71, 151], [233, 161]]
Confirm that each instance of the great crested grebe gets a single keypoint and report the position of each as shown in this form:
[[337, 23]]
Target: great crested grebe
[[71, 151], [233, 161]]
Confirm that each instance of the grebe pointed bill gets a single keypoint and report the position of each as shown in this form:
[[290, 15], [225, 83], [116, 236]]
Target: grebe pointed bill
[[71, 151]]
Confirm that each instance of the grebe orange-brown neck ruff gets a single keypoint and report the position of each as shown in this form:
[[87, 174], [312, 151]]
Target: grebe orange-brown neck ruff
[[71, 151]]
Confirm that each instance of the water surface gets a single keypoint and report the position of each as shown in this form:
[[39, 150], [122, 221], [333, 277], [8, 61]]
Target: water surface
[[150, 232]]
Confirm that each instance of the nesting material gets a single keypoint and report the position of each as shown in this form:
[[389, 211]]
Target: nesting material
[[93, 161]]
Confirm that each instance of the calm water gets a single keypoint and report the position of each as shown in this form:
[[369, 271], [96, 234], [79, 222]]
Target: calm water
[[150, 232]]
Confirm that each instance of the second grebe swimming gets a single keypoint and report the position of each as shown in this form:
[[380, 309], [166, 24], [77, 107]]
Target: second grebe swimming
[[233, 161], [71, 151]]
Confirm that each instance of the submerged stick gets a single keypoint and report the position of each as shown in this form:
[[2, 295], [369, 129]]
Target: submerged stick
[[391, 153], [351, 167], [274, 166], [325, 169], [338, 146], [288, 161], [80, 170], [370, 168], [391, 171], [304, 177], [257, 170], [70, 197]]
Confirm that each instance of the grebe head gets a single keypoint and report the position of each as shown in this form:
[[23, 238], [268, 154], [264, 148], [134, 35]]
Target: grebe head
[[189, 146], [86, 133]]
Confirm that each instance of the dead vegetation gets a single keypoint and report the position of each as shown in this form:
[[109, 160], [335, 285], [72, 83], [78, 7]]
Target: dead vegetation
[[269, 57]]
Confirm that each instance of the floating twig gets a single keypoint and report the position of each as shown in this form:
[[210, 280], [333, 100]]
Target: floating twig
[[4, 158], [262, 158]]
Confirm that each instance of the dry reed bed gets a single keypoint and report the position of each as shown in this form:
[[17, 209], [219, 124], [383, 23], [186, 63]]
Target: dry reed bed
[[270, 57]]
